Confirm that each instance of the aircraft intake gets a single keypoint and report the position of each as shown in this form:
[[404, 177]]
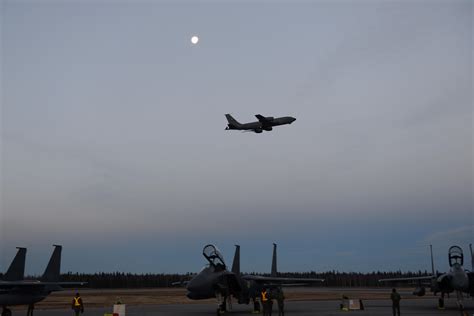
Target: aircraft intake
[[419, 291]]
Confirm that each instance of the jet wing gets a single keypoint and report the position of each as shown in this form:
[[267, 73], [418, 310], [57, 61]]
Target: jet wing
[[263, 119], [16, 284], [427, 277], [279, 280]]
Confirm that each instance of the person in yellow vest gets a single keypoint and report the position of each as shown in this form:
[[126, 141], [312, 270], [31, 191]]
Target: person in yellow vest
[[77, 305], [266, 302]]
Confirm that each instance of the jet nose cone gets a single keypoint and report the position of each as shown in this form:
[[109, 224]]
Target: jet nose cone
[[292, 119]]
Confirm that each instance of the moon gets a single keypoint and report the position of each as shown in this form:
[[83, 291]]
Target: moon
[[194, 39]]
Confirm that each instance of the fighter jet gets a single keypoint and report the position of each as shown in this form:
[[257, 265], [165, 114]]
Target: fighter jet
[[263, 123], [215, 281], [456, 280], [14, 290]]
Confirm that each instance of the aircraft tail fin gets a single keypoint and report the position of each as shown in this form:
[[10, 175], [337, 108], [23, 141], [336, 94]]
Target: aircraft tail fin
[[16, 271], [432, 261], [274, 261], [472, 258], [53, 270], [232, 121], [236, 263]]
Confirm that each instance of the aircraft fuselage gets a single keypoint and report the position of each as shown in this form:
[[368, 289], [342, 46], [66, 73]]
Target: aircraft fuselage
[[263, 124], [18, 297]]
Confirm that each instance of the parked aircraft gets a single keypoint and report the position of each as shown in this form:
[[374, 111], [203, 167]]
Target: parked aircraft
[[14, 290], [215, 281], [456, 280], [263, 123]]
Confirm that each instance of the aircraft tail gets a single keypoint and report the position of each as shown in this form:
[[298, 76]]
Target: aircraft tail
[[16, 271], [472, 258], [236, 263], [233, 123], [274, 261], [432, 261], [53, 270]]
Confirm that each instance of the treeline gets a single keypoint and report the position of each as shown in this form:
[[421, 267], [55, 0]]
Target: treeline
[[129, 280]]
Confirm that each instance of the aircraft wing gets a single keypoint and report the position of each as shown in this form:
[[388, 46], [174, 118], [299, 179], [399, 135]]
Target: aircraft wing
[[263, 119], [427, 277], [15, 284], [279, 280]]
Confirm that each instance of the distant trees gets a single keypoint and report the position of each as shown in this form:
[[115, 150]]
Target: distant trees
[[130, 280]]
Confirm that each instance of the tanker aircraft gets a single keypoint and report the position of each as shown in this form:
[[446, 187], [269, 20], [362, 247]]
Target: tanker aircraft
[[14, 290], [456, 280], [263, 123], [215, 281]]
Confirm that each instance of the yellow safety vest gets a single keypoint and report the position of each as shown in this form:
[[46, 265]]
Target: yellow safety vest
[[76, 301], [264, 297]]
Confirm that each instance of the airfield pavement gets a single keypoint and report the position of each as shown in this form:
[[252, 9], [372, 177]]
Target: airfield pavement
[[302, 301], [419, 307]]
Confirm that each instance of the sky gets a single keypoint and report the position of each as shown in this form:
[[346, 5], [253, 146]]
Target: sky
[[113, 142]]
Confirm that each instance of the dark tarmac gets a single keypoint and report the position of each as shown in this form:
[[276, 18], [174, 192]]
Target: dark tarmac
[[419, 307]]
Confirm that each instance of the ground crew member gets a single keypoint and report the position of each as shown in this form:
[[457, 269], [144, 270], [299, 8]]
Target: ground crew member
[[280, 297], [256, 306], [395, 297], [266, 302], [77, 305], [270, 303], [30, 310]]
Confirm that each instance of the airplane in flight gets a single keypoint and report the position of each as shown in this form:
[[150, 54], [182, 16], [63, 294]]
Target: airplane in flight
[[15, 290], [456, 280], [215, 281], [264, 123]]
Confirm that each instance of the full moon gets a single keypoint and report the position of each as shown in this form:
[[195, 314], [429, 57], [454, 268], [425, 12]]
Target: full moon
[[194, 39]]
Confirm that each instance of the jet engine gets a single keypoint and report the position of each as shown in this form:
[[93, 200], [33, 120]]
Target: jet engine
[[444, 283], [419, 291], [268, 128], [258, 130]]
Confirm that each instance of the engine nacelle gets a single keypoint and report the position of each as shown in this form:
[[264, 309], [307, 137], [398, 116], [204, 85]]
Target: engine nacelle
[[258, 130], [268, 128], [419, 291]]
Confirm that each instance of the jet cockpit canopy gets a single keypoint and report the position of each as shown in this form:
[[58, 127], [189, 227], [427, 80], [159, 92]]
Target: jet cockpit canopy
[[214, 256], [456, 256]]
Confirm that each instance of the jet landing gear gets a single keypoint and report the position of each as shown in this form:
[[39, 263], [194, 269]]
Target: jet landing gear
[[6, 312], [460, 301], [441, 303], [221, 304], [31, 308]]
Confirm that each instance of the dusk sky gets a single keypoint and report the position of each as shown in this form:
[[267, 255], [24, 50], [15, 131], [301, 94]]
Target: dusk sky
[[113, 140]]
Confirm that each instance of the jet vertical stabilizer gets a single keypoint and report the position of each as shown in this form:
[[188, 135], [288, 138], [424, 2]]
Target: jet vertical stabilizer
[[233, 123], [472, 258], [236, 263], [274, 261], [432, 261], [53, 270], [16, 270]]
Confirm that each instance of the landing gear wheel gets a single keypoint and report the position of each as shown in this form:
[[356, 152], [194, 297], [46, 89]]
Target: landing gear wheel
[[6, 312], [441, 303]]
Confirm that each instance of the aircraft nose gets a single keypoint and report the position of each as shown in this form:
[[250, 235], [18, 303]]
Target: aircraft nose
[[293, 119]]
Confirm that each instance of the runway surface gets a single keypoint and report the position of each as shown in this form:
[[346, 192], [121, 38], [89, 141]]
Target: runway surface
[[419, 307]]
